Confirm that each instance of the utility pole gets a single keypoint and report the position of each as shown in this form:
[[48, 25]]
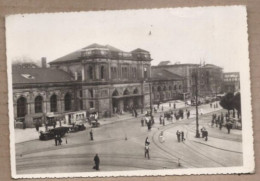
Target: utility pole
[[196, 101], [151, 109]]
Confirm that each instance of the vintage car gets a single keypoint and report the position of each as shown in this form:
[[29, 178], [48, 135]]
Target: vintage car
[[50, 134], [77, 126], [168, 115]]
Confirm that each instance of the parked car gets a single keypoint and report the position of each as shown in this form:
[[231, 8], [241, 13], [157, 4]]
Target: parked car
[[50, 134]]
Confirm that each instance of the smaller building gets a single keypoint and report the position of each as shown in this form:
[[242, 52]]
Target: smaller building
[[166, 86], [231, 82]]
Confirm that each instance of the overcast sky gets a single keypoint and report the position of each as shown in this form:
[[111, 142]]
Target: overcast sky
[[216, 35]]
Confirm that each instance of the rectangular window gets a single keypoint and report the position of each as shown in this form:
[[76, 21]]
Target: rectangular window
[[91, 104]]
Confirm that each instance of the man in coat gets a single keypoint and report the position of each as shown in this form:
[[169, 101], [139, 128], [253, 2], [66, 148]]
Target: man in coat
[[97, 161]]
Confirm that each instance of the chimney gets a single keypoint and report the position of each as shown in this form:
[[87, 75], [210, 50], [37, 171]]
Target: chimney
[[44, 62]]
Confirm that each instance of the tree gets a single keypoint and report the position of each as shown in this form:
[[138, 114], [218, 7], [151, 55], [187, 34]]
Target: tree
[[237, 103], [227, 102]]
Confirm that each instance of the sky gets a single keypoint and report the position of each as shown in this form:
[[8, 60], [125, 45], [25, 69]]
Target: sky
[[216, 35]]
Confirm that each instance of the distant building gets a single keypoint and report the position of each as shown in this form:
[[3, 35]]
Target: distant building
[[182, 70], [231, 82], [166, 86], [209, 80]]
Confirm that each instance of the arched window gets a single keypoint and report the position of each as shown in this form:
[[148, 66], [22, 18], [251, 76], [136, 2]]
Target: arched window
[[102, 72], [115, 93], [164, 88], [21, 107], [159, 89], [126, 92], [175, 87], [179, 86], [67, 102], [53, 101], [38, 104], [90, 72]]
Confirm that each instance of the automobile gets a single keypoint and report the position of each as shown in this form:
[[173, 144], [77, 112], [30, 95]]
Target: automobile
[[95, 124], [77, 126], [168, 115], [50, 134]]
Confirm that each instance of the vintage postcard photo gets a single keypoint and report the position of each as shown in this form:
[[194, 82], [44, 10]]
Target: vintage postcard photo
[[130, 93]]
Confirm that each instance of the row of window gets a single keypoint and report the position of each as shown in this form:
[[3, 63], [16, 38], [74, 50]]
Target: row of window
[[38, 104], [175, 87], [126, 72]]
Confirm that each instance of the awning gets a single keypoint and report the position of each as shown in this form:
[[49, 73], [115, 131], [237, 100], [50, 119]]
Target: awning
[[125, 96]]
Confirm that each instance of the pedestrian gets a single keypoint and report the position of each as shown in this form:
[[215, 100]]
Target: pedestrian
[[97, 162], [188, 114], [147, 142], [142, 122], [160, 119], [220, 124], [206, 135], [174, 105], [91, 135], [203, 132], [161, 137], [178, 136], [213, 120], [182, 136], [146, 151], [59, 139], [37, 126], [162, 108], [229, 126], [56, 139], [163, 121], [54, 124]]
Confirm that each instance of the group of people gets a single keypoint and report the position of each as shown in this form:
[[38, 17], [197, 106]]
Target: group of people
[[57, 139], [214, 105], [180, 136], [219, 120], [204, 133]]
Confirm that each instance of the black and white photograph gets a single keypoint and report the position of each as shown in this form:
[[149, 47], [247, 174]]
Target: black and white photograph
[[147, 92]]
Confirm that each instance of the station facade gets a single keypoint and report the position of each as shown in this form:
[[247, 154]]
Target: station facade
[[98, 78]]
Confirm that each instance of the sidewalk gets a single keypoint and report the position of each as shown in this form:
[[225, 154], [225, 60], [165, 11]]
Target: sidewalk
[[29, 134]]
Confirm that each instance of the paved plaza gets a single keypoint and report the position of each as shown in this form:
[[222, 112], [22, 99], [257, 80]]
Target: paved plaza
[[120, 144]]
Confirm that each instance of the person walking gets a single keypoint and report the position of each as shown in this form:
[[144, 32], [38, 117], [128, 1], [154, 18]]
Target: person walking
[[160, 119], [142, 122], [59, 139], [91, 135], [97, 162], [147, 142], [146, 151], [163, 121], [206, 135], [174, 105], [182, 136], [178, 136], [56, 140]]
